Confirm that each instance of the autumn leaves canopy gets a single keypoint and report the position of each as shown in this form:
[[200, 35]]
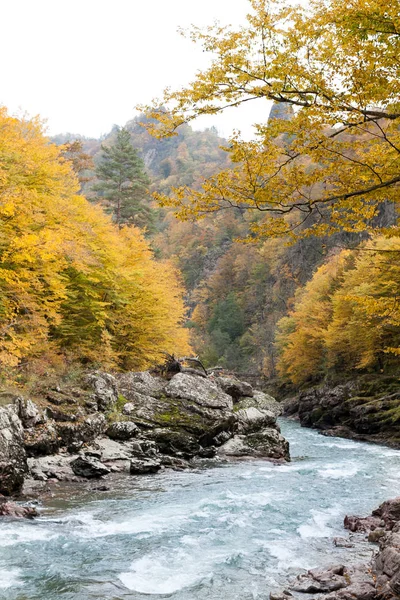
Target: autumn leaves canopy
[[71, 283], [327, 168]]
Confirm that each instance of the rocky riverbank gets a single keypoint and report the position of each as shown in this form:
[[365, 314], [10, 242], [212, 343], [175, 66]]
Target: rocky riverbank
[[377, 580], [366, 409], [133, 423]]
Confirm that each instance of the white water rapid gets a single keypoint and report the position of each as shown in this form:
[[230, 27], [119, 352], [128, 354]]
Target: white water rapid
[[232, 532]]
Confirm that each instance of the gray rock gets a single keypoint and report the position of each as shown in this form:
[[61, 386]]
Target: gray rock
[[253, 419], [13, 465], [56, 466], [341, 542], [175, 442], [89, 467], [105, 389], [42, 439], [86, 430], [201, 391], [122, 430], [144, 466], [29, 413], [317, 581], [267, 443], [261, 401], [235, 388], [142, 383]]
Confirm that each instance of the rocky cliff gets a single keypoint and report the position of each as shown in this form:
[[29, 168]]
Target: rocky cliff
[[134, 423], [366, 408]]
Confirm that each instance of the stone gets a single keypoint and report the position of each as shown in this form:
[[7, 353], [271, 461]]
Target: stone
[[142, 383], [354, 523], [17, 511], [105, 389], [65, 413], [341, 542], [376, 535], [203, 392], [42, 439], [13, 464], [267, 443], [144, 466], [55, 466], [175, 442], [89, 467], [122, 430], [85, 430], [29, 413], [235, 388], [172, 462], [262, 401], [253, 419]]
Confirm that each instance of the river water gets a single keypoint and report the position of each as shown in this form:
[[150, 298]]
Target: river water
[[232, 532]]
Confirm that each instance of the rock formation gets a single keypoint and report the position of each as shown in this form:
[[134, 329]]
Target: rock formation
[[364, 409], [135, 423], [378, 580]]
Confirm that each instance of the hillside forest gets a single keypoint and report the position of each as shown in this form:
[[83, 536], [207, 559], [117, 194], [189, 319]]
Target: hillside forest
[[278, 257]]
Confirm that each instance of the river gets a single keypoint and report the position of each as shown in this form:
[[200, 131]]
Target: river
[[231, 532]]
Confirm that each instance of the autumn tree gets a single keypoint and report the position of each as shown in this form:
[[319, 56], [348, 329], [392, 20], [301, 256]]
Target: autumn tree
[[81, 161], [71, 282], [347, 317], [330, 166], [123, 182]]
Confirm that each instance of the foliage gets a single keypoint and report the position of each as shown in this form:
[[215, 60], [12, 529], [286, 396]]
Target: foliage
[[347, 317], [123, 182], [70, 281], [330, 166], [81, 161]]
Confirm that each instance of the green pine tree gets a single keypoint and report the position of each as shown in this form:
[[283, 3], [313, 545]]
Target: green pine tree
[[123, 183]]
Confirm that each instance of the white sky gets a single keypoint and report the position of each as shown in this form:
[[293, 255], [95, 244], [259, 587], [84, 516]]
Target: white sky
[[84, 64]]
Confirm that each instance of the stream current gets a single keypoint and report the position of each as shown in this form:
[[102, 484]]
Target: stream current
[[230, 532]]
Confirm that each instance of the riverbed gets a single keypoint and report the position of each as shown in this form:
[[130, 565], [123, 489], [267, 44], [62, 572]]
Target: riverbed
[[230, 532]]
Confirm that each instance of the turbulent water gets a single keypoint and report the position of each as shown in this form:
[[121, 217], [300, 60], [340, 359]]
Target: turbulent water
[[224, 533]]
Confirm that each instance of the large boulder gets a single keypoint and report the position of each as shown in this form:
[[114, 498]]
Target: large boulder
[[142, 383], [55, 466], [89, 467], [122, 430], [73, 434], [42, 439], [360, 409], [105, 389], [235, 388], [29, 413], [267, 443], [253, 419], [13, 465], [205, 393], [262, 401]]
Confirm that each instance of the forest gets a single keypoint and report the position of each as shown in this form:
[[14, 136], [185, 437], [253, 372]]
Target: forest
[[277, 257], [200, 331]]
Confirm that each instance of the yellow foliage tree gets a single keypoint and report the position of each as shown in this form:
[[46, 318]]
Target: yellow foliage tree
[[69, 280], [347, 317], [337, 158]]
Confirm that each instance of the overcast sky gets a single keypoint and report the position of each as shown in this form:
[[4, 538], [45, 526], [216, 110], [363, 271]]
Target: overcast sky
[[84, 64]]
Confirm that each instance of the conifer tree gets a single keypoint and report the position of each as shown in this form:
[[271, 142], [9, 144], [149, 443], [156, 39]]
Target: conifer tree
[[123, 183]]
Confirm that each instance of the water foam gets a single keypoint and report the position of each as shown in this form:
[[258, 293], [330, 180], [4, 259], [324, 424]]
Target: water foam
[[10, 578], [317, 526], [165, 574], [342, 471], [11, 536]]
